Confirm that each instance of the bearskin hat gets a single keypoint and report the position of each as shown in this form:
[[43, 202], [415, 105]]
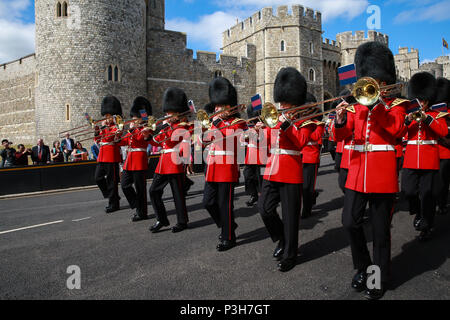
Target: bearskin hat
[[443, 90], [374, 59], [209, 108], [140, 103], [290, 87], [422, 86], [111, 105], [175, 100], [310, 98], [222, 92]]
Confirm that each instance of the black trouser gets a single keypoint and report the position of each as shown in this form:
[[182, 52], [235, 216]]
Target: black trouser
[[342, 178], [309, 186], [381, 207], [399, 165], [290, 196], [136, 198], [420, 188], [107, 178], [218, 198], [444, 177], [253, 179], [338, 160], [156, 191]]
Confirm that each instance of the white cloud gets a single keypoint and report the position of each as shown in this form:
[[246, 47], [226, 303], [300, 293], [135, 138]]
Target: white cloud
[[16, 36], [434, 13]]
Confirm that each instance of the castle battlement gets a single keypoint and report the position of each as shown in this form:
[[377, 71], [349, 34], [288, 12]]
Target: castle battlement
[[297, 16], [348, 39], [406, 50], [330, 45], [17, 68]]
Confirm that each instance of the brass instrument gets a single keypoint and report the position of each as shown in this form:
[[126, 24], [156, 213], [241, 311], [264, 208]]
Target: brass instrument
[[205, 119]]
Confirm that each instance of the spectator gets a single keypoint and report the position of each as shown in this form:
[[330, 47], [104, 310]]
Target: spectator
[[57, 153], [22, 155], [8, 154], [94, 151], [67, 146], [79, 153], [40, 153]]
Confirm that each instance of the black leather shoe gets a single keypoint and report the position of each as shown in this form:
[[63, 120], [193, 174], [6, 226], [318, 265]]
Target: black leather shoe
[[179, 227], [306, 215], [279, 251], [286, 265], [157, 226], [426, 235], [112, 208], [188, 185], [416, 223], [252, 201], [137, 218], [359, 281], [225, 245], [235, 225], [374, 294]]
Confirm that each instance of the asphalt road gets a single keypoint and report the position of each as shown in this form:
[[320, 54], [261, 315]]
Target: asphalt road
[[119, 259]]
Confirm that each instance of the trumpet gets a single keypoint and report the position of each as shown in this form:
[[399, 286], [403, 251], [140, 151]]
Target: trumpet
[[205, 119]]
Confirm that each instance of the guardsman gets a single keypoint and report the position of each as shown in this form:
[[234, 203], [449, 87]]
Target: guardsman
[[136, 164], [443, 96], [421, 165], [283, 176], [311, 162], [255, 158], [170, 168], [222, 171], [107, 171], [372, 176]]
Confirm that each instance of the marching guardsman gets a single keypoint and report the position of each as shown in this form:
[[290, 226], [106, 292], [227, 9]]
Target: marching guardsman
[[330, 135], [222, 171], [283, 176], [421, 164], [311, 162], [136, 164], [107, 171], [372, 176], [255, 158], [443, 96], [170, 168]]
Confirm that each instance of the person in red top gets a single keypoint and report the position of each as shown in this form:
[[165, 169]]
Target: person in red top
[[372, 176], [255, 158], [107, 171], [170, 168], [421, 163], [311, 162], [136, 164], [283, 176], [222, 171], [443, 95]]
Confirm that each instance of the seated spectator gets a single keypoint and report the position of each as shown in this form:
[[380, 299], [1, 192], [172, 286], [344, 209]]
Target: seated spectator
[[8, 154], [22, 155], [79, 153], [40, 153], [57, 153], [94, 151], [67, 146]]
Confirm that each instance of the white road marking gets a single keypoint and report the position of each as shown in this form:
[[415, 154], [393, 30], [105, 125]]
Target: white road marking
[[31, 227], [78, 220]]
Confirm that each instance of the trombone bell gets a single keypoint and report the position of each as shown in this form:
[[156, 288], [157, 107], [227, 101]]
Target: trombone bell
[[366, 91], [269, 115], [203, 118]]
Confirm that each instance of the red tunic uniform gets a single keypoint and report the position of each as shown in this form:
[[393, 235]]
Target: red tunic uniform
[[422, 151], [170, 161], [137, 159], [285, 162], [221, 162], [373, 165], [444, 152], [257, 150], [311, 152], [109, 150]]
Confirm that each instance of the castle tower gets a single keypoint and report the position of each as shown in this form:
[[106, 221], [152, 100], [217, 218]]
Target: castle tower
[[155, 14], [285, 38], [86, 50]]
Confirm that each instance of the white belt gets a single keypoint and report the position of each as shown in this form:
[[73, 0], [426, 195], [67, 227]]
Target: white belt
[[373, 147], [285, 152], [349, 147], [137, 150], [106, 144], [167, 151], [417, 142], [313, 143], [221, 153], [252, 146]]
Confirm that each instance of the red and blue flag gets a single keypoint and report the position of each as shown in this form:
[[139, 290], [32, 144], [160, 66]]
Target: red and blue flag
[[256, 103], [414, 106], [347, 74], [144, 115], [440, 107]]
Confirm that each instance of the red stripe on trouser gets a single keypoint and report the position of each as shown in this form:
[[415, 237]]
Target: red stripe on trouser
[[229, 214]]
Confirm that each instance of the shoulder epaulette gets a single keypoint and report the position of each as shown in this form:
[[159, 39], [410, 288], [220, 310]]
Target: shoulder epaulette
[[306, 123], [237, 120], [182, 124], [442, 114], [351, 109], [319, 123], [397, 102]]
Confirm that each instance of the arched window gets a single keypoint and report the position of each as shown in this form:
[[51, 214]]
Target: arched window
[[283, 46], [251, 20], [67, 112], [217, 73], [259, 15], [64, 9], [116, 74], [110, 73], [154, 4], [312, 75], [242, 25], [311, 48], [58, 9]]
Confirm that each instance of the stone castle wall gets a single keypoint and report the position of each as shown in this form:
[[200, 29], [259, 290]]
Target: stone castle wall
[[17, 100]]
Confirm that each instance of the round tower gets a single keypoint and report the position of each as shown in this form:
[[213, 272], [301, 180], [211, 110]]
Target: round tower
[[86, 50]]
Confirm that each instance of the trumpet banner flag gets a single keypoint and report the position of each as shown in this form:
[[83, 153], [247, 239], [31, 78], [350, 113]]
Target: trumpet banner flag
[[347, 74]]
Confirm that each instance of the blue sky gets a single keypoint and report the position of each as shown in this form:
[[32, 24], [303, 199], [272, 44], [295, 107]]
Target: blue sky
[[409, 23]]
